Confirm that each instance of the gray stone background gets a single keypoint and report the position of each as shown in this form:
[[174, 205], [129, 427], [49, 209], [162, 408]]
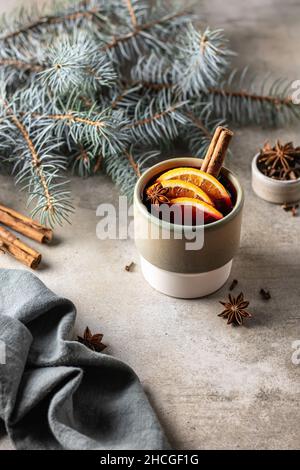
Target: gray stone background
[[213, 386]]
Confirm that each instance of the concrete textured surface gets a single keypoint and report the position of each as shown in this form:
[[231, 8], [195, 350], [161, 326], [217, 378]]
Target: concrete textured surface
[[213, 386]]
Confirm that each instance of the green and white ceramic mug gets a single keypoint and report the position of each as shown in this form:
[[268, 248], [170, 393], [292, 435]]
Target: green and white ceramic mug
[[166, 263]]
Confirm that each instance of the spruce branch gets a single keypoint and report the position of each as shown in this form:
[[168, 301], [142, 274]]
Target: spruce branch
[[72, 61], [85, 159], [71, 118], [130, 7], [199, 61], [99, 130], [83, 10], [76, 63], [158, 120], [154, 72], [35, 173], [275, 100], [36, 163], [133, 164], [152, 86], [203, 59], [98, 163], [126, 97], [126, 167], [18, 64], [106, 129], [116, 74], [199, 129], [148, 35], [243, 100]]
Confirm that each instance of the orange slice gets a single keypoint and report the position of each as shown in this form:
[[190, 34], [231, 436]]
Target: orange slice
[[180, 188], [208, 183], [210, 213]]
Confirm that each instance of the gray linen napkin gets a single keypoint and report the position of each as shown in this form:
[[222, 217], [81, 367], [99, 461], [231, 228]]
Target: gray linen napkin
[[56, 393]]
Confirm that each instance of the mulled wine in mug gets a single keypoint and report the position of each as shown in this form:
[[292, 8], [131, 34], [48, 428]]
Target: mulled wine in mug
[[187, 226]]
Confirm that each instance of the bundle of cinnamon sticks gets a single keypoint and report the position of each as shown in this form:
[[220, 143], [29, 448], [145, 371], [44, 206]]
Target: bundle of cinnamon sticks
[[10, 243], [216, 152]]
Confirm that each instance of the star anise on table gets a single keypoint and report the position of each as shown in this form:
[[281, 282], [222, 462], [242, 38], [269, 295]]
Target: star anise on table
[[292, 208], [234, 310], [91, 341], [281, 161], [156, 194]]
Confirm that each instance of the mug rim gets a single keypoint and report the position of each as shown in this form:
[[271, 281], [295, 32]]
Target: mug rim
[[142, 181]]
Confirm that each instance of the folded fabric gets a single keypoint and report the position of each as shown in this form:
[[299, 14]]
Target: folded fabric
[[56, 393]]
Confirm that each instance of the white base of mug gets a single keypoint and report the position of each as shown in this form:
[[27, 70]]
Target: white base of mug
[[185, 286]]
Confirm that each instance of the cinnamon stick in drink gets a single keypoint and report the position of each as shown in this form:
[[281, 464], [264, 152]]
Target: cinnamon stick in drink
[[216, 153], [25, 225], [19, 250], [211, 148]]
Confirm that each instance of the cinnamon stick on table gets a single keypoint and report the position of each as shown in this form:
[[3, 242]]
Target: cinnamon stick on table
[[22, 224], [216, 152], [22, 252]]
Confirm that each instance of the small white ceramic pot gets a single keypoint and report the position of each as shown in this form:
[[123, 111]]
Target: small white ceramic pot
[[272, 190], [166, 263]]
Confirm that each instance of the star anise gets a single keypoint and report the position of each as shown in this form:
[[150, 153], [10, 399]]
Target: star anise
[[91, 341], [156, 194], [234, 310], [292, 208], [281, 161]]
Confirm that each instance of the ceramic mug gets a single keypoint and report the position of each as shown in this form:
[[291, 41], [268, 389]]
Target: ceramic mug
[[166, 263]]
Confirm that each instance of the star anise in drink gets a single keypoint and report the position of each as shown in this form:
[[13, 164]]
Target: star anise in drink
[[281, 161], [156, 194], [234, 310]]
